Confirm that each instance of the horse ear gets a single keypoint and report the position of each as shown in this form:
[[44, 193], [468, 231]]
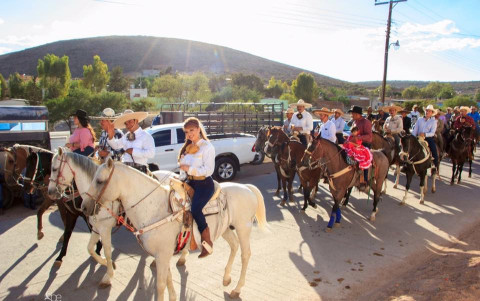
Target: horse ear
[[110, 163]]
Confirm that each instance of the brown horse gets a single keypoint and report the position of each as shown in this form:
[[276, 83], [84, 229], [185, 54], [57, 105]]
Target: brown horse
[[262, 137], [277, 149], [377, 127], [15, 162], [309, 176], [342, 176], [458, 153], [387, 144]]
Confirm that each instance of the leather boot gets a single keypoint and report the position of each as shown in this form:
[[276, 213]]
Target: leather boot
[[206, 243]]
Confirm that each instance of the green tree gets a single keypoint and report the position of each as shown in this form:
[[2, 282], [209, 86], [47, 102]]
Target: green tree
[[245, 94], [142, 105], [431, 90], [388, 91], [446, 92], [476, 98], [33, 93], [411, 92], [224, 95], [144, 82], [96, 76], [168, 87], [3, 87], [304, 87], [118, 82], [289, 96], [54, 75], [250, 81], [16, 85], [460, 100], [195, 88], [274, 88]]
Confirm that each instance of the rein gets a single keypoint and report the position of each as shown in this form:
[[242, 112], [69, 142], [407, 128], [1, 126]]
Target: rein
[[13, 172], [409, 159]]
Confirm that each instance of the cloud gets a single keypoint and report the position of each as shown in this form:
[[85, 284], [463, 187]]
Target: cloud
[[1, 21], [4, 50]]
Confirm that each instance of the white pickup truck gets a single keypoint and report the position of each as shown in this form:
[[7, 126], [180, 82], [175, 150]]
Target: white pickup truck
[[231, 150]]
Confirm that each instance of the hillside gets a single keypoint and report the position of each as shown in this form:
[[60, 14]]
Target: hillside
[[465, 87], [135, 53]]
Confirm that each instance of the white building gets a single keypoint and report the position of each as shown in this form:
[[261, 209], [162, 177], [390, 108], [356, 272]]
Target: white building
[[138, 93]]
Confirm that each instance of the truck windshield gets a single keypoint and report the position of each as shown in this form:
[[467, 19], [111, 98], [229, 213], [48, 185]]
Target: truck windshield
[[22, 126]]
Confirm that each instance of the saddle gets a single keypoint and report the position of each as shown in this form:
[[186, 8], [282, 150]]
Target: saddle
[[181, 198]]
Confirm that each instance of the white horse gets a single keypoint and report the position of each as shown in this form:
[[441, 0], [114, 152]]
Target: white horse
[[146, 205], [68, 166]]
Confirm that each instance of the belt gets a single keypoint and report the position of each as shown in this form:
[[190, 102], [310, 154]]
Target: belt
[[199, 178]]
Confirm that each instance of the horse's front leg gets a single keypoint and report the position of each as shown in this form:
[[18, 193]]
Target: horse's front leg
[[285, 190], [232, 241], [279, 180], [290, 184], [397, 178], [306, 195], [164, 278], [183, 256], [47, 202], [434, 178], [106, 235], [407, 186], [347, 196], [94, 238], [470, 168], [460, 167], [376, 198], [454, 167], [423, 185], [71, 220], [335, 216]]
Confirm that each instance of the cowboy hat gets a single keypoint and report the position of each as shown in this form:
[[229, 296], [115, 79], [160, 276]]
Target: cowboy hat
[[440, 112], [289, 111], [431, 108], [80, 114], [107, 114], [339, 111], [119, 122], [465, 108], [403, 111], [414, 106], [300, 103], [355, 109], [387, 108], [321, 111]]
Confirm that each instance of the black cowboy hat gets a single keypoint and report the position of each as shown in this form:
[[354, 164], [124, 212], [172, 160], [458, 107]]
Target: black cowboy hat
[[80, 114], [356, 109]]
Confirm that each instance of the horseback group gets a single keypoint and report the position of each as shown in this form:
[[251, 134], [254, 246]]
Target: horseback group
[[392, 137], [107, 182]]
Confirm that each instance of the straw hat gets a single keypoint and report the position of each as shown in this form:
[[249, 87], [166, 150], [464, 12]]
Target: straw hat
[[403, 111], [301, 103], [431, 108], [323, 110], [119, 122], [387, 108], [440, 112], [465, 108], [289, 111], [107, 114], [338, 111]]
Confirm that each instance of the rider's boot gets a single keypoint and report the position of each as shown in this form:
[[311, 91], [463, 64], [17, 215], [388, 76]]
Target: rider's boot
[[207, 244], [363, 181]]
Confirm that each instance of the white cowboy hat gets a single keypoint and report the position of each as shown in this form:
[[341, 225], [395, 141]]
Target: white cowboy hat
[[119, 122], [338, 111], [323, 110], [387, 108], [431, 108], [465, 108], [301, 103], [107, 114], [289, 110]]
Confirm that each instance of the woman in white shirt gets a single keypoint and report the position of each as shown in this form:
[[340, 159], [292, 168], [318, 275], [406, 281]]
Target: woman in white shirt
[[197, 159]]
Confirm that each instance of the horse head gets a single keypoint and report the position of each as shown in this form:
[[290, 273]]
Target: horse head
[[12, 166], [261, 138], [307, 159], [275, 138], [100, 191], [61, 174]]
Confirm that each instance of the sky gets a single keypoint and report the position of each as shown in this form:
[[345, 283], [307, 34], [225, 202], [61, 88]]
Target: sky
[[345, 39]]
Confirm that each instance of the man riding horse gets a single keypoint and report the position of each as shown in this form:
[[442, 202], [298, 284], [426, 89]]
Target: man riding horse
[[426, 127], [394, 124], [327, 129], [302, 121]]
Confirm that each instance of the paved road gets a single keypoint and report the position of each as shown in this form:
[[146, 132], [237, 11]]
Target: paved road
[[296, 261]]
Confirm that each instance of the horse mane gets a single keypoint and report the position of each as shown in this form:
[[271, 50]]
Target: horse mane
[[83, 162], [380, 135], [31, 149], [147, 177]]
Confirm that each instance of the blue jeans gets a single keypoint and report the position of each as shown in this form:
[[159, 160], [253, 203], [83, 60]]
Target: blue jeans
[[204, 190], [87, 151], [433, 149]]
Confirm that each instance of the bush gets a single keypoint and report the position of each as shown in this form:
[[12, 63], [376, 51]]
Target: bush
[[142, 105], [460, 100]]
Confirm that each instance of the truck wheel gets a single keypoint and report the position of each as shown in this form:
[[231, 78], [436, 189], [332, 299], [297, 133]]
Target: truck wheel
[[259, 157], [225, 169]]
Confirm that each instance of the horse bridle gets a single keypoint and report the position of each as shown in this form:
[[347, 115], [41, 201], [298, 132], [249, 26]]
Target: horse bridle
[[13, 172], [36, 183]]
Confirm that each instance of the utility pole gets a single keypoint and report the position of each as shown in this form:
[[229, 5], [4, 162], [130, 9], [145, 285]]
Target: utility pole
[[387, 42]]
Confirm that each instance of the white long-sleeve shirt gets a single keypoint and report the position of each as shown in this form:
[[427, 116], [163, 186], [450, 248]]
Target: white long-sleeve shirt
[[339, 124], [143, 147], [202, 163], [394, 124], [327, 131], [306, 123], [428, 127]]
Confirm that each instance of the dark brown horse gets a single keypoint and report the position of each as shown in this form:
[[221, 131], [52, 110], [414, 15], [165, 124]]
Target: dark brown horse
[[309, 176], [37, 176], [15, 162], [277, 149], [342, 175], [387, 144]]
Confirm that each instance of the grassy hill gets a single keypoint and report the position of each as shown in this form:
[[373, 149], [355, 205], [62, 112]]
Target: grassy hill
[[135, 53], [465, 87]]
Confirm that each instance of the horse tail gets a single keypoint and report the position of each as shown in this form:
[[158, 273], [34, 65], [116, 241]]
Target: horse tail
[[260, 213]]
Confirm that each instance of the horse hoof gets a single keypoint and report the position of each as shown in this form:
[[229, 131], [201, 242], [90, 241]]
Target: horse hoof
[[282, 203], [180, 262], [114, 265], [57, 264], [422, 202], [313, 205], [337, 225], [60, 240], [104, 285], [328, 230], [40, 235], [433, 190], [395, 186], [153, 265], [451, 183], [290, 198], [458, 182], [372, 218], [277, 194], [234, 295], [402, 203], [226, 282]]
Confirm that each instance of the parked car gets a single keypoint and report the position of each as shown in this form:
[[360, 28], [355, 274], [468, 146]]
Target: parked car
[[231, 150]]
